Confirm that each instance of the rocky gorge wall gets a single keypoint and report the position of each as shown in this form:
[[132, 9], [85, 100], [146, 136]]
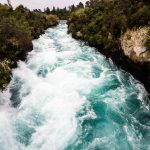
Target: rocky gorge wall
[[133, 44], [130, 54]]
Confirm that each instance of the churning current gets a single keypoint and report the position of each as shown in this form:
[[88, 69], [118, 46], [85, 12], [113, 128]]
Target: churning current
[[67, 96]]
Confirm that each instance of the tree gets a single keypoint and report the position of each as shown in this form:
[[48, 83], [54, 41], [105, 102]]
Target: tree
[[72, 8], [87, 4], [80, 5], [53, 10], [47, 11], [9, 3]]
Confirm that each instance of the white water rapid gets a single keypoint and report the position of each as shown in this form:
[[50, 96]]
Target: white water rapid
[[67, 96]]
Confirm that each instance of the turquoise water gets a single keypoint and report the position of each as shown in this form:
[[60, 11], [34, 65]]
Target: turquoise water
[[67, 96]]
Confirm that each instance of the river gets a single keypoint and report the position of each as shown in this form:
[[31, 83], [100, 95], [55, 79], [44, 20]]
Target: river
[[67, 96]]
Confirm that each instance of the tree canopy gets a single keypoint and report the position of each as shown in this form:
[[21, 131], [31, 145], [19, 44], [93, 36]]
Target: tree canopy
[[102, 22]]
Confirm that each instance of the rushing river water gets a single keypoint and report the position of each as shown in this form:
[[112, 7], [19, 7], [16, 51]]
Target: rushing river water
[[67, 96]]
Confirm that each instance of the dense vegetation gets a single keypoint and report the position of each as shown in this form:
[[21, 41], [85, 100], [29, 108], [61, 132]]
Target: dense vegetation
[[17, 29], [63, 13], [102, 22]]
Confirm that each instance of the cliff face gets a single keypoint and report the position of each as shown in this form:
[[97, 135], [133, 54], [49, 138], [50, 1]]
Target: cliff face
[[135, 55], [133, 44]]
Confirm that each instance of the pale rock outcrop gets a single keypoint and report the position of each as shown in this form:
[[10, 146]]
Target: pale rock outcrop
[[133, 44]]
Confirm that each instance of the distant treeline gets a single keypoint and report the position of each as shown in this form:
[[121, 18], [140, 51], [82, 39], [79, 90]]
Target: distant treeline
[[63, 13], [17, 29]]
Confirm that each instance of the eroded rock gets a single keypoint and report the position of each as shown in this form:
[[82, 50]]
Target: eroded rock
[[133, 44]]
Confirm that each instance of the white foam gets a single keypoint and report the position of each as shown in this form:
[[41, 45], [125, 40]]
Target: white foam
[[49, 104]]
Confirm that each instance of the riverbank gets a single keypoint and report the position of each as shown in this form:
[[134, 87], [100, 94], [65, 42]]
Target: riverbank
[[139, 70], [18, 28], [118, 29]]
